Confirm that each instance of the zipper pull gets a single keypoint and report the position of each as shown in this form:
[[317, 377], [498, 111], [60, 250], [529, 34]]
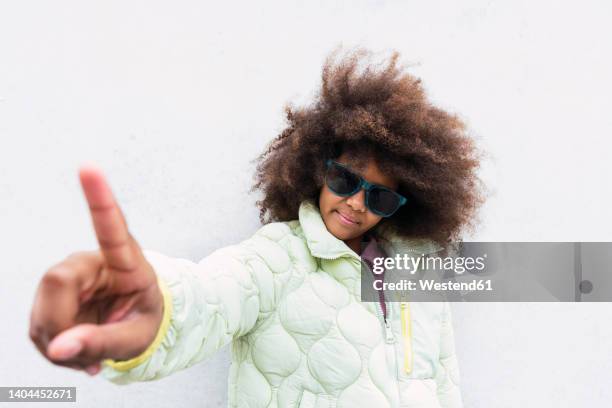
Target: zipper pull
[[389, 333]]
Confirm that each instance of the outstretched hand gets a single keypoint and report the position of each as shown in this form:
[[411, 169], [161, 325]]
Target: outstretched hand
[[98, 304]]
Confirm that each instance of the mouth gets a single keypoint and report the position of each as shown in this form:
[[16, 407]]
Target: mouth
[[346, 220]]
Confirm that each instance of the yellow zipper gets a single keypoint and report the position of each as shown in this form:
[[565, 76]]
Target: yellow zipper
[[407, 336]]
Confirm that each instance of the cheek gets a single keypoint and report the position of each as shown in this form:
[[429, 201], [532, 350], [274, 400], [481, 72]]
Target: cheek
[[371, 220], [327, 199]]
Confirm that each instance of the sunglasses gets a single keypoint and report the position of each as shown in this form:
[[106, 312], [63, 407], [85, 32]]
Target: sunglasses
[[379, 199]]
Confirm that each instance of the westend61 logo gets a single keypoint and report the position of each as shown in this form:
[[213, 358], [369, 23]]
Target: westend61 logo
[[411, 264]]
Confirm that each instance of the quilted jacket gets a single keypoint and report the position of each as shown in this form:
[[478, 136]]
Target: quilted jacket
[[288, 301]]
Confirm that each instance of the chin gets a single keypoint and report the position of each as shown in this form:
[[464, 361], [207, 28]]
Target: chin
[[340, 232], [335, 229], [341, 235]]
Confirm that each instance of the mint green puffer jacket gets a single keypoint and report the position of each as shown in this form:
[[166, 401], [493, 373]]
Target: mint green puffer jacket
[[288, 300]]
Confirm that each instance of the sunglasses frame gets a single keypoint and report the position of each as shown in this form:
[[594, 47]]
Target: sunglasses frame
[[366, 186]]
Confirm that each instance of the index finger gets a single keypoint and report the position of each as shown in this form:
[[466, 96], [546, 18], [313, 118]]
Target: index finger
[[118, 247]]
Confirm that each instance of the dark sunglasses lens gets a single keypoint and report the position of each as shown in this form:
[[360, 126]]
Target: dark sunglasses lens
[[341, 181], [383, 201]]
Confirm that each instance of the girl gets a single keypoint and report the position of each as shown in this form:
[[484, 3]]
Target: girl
[[370, 168]]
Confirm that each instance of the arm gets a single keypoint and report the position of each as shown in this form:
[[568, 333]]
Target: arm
[[447, 377], [206, 306]]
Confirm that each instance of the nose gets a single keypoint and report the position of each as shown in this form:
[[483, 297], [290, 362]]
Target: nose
[[357, 201]]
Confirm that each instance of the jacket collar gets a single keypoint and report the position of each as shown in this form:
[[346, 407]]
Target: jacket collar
[[323, 244], [320, 241]]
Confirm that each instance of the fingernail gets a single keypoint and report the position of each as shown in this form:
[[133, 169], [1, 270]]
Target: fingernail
[[68, 349], [92, 369]]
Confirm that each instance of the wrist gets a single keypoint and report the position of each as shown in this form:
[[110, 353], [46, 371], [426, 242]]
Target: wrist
[[162, 315]]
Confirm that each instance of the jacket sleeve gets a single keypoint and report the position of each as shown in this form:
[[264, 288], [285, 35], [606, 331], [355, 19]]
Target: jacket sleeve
[[206, 305], [447, 377]]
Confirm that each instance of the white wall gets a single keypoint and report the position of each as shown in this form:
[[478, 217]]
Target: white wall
[[173, 99]]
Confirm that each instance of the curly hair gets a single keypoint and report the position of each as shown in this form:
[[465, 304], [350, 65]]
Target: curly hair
[[382, 113]]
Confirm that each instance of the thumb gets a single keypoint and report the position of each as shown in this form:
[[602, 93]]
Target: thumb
[[87, 344]]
